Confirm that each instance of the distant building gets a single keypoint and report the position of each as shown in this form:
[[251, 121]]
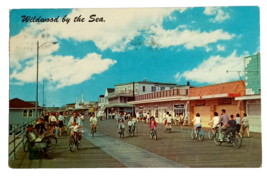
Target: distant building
[[253, 91], [117, 99], [20, 110]]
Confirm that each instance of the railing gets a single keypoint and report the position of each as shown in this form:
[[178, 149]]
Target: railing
[[162, 94], [17, 132]]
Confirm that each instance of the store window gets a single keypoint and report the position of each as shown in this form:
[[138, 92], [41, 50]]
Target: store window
[[162, 88], [179, 108]]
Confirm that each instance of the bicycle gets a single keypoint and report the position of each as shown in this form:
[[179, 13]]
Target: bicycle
[[50, 140], [200, 134], [235, 139], [210, 132], [153, 133], [73, 142], [93, 132]]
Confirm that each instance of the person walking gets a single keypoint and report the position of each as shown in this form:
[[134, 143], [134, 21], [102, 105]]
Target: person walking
[[245, 122], [238, 123], [181, 121], [61, 119]]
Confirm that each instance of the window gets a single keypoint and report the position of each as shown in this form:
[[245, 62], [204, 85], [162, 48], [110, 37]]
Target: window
[[179, 108], [162, 88], [153, 88], [144, 89], [171, 87], [27, 113], [30, 113]]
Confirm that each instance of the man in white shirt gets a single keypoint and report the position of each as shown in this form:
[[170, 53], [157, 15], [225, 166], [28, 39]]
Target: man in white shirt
[[77, 119], [93, 123]]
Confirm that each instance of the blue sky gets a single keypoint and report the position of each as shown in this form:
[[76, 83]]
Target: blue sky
[[162, 44]]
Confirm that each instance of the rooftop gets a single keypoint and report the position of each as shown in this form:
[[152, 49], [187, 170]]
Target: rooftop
[[18, 103]]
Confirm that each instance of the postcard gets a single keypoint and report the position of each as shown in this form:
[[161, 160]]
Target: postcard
[[176, 87]]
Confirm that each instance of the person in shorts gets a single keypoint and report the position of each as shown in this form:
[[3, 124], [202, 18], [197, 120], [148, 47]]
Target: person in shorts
[[215, 120], [238, 123], [245, 122], [61, 120], [231, 128], [197, 121], [181, 117], [53, 121]]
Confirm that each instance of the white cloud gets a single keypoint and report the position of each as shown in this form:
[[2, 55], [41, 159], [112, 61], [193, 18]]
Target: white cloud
[[64, 71], [220, 14], [120, 26], [190, 39], [213, 70], [220, 48], [208, 48]]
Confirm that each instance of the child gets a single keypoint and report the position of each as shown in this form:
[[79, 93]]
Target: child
[[245, 122], [74, 128], [152, 123], [238, 123], [56, 130], [181, 121], [197, 121], [130, 123], [232, 126]]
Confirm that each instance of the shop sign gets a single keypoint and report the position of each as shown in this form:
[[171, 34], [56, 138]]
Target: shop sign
[[200, 103], [224, 101], [178, 106]]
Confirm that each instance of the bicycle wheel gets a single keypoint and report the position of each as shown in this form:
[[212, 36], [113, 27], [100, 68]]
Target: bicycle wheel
[[210, 134], [200, 135], [192, 134], [72, 144], [237, 141], [216, 139], [155, 135], [51, 142]]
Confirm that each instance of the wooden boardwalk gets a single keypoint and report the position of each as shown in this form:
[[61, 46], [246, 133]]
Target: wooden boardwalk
[[176, 146]]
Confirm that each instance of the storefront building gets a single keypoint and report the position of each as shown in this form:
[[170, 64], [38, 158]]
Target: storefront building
[[253, 91], [157, 104], [209, 99]]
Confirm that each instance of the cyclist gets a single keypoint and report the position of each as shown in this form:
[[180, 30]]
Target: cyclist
[[82, 120], [197, 121], [74, 128], [224, 120], [215, 120], [120, 122], [152, 124], [93, 123], [134, 120], [77, 119], [231, 128]]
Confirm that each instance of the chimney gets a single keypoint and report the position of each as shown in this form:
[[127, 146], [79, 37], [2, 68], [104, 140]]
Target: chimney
[[82, 97], [188, 83], [144, 79]]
